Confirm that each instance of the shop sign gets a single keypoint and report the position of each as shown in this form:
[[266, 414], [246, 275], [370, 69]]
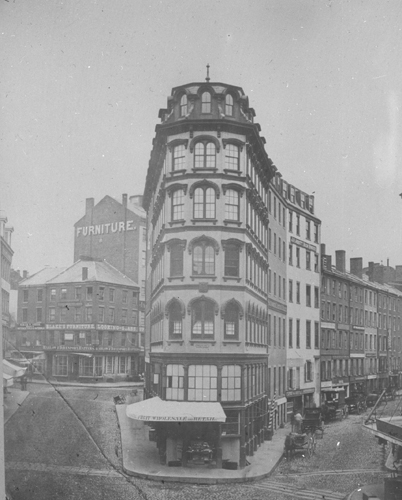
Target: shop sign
[[303, 244], [117, 328], [299, 392], [176, 419], [86, 348], [69, 336], [29, 326], [110, 227], [70, 327], [326, 384]]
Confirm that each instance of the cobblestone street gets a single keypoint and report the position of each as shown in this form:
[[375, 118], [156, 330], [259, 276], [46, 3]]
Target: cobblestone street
[[66, 444]]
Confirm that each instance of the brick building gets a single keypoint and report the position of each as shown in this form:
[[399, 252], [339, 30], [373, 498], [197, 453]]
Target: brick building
[[81, 322]]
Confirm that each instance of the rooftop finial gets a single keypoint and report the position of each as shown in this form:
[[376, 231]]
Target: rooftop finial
[[207, 78]]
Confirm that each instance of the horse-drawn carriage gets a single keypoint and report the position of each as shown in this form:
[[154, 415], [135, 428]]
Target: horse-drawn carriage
[[305, 431], [304, 443], [313, 421], [334, 406]]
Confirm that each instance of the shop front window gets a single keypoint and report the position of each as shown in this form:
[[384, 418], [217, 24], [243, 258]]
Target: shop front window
[[202, 383]]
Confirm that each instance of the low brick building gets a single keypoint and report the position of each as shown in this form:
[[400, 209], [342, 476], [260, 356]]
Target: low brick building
[[81, 322]]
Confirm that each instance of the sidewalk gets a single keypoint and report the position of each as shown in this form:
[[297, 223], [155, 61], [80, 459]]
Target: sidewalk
[[12, 401], [141, 457]]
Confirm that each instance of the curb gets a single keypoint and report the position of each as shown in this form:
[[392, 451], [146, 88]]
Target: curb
[[200, 480]]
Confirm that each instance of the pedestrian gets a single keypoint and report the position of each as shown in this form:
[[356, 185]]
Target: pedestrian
[[298, 420], [24, 382]]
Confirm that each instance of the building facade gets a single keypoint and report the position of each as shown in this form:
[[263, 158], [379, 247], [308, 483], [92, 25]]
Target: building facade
[[360, 329], [277, 271], [206, 198], [81, 323], [6, 260], [303, 308]]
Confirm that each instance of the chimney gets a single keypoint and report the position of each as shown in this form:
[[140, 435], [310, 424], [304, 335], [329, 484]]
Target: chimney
[[322, 248], [340, 257], [24, 274], [89, 205], [387, 262], [356, 266], [326, 261], [136, 200], [371, 271], [84, 273], [124, 200]]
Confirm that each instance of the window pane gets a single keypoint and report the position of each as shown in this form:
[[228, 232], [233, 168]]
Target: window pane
[[206, 102], [178, 204], [210, 203], [210, 161], [199, 155], [178, 157], [229, 105], [199, 203], [232, 205], [209, 260], [232, 157], [197, 260]]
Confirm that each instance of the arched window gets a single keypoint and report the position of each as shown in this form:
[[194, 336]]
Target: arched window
[[175, 320], [204, 203], [203, 259], [229, 105], [205, 155], [178, 204], [206, 102], [176, 259], [202, 319], [183, 105], [231, 321], [232, 205], [232, 157]]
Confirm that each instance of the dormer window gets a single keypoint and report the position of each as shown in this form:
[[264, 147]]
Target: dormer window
[[206, 102], [229, 105], [183, 105]]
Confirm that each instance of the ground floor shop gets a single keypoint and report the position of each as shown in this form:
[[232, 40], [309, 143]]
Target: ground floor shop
[[299, 399], [92, 366]]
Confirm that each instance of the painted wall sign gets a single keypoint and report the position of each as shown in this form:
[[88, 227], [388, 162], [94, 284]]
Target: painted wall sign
[[82, 348], [303, 244], [110, 227]]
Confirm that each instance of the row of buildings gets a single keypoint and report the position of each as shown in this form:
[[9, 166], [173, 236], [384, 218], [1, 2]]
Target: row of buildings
[[219, 289]]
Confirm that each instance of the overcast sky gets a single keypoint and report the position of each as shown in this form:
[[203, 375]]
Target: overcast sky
[[82, 83]]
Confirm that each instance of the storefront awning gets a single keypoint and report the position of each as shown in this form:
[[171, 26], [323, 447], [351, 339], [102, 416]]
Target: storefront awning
[[332, 389], [11, 369], [7, 380], [157, 410]]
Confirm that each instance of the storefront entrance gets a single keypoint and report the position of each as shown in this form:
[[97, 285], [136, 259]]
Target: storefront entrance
[[74, 364]]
